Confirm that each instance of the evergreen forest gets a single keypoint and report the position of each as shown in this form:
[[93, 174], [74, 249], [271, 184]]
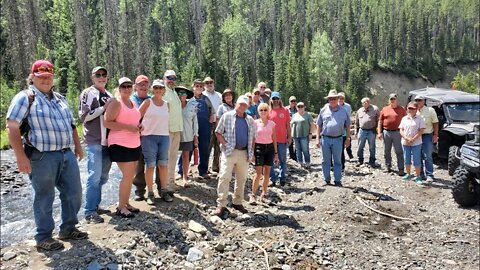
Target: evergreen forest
[[299, 47]]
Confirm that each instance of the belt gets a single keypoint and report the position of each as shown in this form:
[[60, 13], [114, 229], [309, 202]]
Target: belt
[[367, 129], [333, 137], [391, 129], [427, 133], [241, 148]]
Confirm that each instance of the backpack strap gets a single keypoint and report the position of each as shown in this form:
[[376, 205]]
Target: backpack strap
[[24, 127]]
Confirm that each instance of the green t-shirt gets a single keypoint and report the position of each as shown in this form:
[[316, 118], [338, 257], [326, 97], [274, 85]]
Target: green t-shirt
[[301, 125]]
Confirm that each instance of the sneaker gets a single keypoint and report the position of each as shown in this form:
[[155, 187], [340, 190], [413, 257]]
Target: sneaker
[[101, 211], [418, 180], [324, 184], [272, 183], [401, 173], [50, 244], [374, 165], [338, 184], [166, 197], [240, 208], [252, 200], [206, 176], [283, 183], [94, 218], [139, 198], [430, 179], [388, 170], [74, 234], [151, 198], [220, 211], [406, 176]]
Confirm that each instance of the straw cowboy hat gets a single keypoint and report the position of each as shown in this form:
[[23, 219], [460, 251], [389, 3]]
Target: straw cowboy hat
[[332, 93]]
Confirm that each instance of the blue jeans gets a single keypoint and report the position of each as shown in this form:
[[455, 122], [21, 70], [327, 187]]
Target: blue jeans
[[155, 150], [427, 158], [98, 166], [332, 148], [410, 152], [363, 137], [50, 170], [204, 132], [301, 148], [282, 157]]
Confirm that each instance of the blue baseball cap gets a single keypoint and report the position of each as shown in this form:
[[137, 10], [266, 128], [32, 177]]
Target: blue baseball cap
[[275, 94]]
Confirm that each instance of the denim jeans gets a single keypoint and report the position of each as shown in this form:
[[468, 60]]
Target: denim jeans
[[98, 167], [301, 148], [393, 138], [204, 132], [282, 157], [50, 170], [332, 148], [427, 158], [363, 137]]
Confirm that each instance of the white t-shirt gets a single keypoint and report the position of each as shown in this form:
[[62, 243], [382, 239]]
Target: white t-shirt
[[215, 97]]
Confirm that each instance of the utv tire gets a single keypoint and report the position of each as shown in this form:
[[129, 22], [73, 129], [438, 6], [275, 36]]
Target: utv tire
[[463, 189], [453, 161]]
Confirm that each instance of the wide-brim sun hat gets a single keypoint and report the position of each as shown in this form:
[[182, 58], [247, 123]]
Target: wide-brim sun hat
[[183, 88]]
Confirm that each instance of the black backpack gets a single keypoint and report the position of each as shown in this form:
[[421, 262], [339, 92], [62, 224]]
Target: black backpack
[[24, 127]]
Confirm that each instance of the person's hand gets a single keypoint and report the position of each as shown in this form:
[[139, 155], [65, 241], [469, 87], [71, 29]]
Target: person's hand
[[347, 142], [195, 141], [23, 164], [79, 153], [435, 138], [109, 101], [310, 137], [318, 144], [275, 159], [252, 160], [380, 136], [140, 127], [212, 119], [289, 140]]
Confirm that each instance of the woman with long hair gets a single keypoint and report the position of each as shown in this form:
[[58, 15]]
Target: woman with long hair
[[122, 118]]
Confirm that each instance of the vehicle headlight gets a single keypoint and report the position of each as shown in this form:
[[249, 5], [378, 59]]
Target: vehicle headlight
[[469, 152]]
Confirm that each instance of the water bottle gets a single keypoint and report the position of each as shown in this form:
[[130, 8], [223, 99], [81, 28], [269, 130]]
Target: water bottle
[[195, 156]]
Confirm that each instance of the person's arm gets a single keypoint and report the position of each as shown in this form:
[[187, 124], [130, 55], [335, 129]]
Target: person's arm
[[76, 141], [289, 129], [275, 147], [195, 130], [380, 126], [348, 123], [357, 124], [111, 115], [144, 106], [13, 130], [220, 130], [86, 113]]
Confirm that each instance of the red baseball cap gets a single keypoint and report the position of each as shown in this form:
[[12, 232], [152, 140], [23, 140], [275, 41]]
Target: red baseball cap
[[141, 78], [42, 68]]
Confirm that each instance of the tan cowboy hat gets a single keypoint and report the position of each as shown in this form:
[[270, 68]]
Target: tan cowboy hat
[[332, 93]]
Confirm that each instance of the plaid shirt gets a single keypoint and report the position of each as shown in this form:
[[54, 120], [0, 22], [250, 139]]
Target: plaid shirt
[[226, 127], [50, 121]]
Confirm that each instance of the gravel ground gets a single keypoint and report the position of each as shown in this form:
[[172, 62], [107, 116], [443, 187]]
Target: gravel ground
[[309, 227]]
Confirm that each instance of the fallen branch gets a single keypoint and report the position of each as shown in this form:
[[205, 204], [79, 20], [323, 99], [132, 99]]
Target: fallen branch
[[262, 249], [382, 213], [456, 241]]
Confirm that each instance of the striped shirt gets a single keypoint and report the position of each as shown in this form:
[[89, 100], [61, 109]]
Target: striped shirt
[[226, 127], [50, 121]]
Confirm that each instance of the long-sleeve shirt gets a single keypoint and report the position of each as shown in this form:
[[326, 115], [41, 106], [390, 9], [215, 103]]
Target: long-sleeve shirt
[[190, 122], [91, 114], [175, 122]]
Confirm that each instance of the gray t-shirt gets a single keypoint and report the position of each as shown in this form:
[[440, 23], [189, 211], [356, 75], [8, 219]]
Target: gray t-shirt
[[333, 122]]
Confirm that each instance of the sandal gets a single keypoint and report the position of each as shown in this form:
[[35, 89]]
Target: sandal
[[75, 234], [50, 244], [265, 199], [252, 200], [186, 183], [132, 209], [123, 215]]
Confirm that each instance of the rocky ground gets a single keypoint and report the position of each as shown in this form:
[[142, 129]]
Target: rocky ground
[[309, 227]]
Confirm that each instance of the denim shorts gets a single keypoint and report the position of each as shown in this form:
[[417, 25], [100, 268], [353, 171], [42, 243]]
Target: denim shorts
[[412, 151], [155, 149]]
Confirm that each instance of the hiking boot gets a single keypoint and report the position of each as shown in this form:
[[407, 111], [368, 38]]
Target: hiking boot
[[220, 211], [338, 184], [151, 198], [50, 244], [166, 197], [101, 211], [94, 218], [206, 176], [240, 208]]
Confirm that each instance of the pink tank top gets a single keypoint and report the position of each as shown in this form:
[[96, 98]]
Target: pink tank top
[[264, 133], [125, 138]]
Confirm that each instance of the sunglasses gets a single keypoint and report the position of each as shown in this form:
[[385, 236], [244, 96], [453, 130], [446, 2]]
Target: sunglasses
[[412, 108], [393, 98], [300, 107], [210, 82], [293, 101], [99, 75], [332, 99], [158, 88], [182, 93], [43, 69], [171, 78], [275, 98], [418, 100], [127, 86], [263, 110]]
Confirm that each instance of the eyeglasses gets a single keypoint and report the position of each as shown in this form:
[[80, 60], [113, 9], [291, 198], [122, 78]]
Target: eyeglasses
[[126, 86], [210, 82], [43, 69], [393, 98], [171, 78], [417, 100], [263, 110], [182, 93], [412, 108], [293, 101], [300, 107], [158, 88], [275, 98], [332, 99], [98, 75], [197, 85]]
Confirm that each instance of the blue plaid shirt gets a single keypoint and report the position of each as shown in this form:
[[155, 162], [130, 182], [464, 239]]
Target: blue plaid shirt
[[226, 127], [50, 121]]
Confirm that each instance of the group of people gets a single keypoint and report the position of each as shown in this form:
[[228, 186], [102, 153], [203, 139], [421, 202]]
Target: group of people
[[152, 136]]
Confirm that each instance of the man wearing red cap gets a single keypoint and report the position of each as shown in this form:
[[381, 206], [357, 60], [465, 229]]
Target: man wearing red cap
[[93, 103], [47, 156]]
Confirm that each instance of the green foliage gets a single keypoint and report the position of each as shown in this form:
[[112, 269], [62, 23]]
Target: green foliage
[[8, 92], [468, 83]]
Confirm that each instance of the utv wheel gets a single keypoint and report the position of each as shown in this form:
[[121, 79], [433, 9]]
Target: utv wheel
[[463, 190], [453, 161]]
